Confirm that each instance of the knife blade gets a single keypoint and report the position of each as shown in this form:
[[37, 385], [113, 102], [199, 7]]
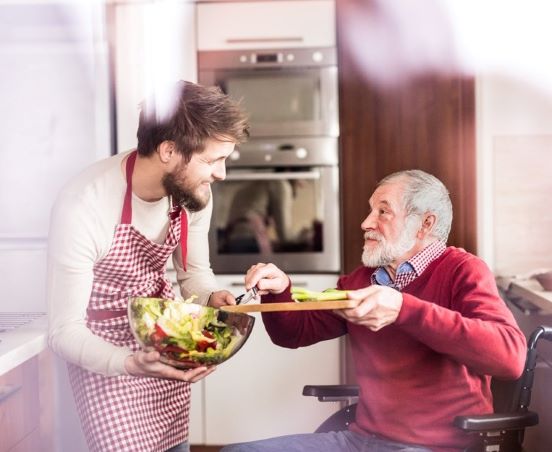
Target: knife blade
[[247, 296]]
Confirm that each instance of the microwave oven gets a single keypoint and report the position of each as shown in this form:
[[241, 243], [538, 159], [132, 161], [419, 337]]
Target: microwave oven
[[286, 93]]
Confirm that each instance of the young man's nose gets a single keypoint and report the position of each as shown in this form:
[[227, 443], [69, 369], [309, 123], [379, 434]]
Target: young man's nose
[[219, 172]]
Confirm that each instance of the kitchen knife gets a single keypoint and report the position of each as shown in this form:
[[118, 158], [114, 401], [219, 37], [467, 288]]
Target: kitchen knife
[[247, 296]]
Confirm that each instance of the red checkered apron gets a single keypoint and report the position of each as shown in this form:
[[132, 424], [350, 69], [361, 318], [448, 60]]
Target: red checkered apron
[[127, 413]]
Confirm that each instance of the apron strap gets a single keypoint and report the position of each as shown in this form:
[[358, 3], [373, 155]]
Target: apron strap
[[126, 216], [98, 315], [184, 236]]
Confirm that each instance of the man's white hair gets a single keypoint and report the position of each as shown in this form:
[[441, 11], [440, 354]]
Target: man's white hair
[[424, 193]]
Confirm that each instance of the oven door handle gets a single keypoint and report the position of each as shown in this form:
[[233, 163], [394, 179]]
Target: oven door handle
[[274, 176]]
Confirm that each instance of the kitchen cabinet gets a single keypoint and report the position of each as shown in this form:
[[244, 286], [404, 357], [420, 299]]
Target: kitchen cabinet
[[154, 44], [266, 25], [26, 406], [257, 393]]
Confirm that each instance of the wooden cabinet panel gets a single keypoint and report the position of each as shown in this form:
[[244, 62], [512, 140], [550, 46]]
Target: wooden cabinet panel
[[19, 404], [27, 406], [427, 123], [31, 442], [47, 396]]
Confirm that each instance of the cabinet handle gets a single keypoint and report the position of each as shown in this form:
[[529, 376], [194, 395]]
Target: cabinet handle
[[6, 391], [274, 176], [250, 40]]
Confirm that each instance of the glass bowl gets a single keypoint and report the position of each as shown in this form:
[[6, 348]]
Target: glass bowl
[[188, 335]]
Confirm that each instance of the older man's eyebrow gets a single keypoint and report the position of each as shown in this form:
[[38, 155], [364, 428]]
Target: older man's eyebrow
[[386, 203], [380, 204]]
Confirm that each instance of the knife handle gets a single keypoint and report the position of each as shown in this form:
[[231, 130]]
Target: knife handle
[[6, 391]]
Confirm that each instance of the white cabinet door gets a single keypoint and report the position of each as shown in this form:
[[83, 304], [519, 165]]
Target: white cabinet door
[[155, 45], [54, 122], [263, 25], [53, 110], [196, 432], [257, 393]]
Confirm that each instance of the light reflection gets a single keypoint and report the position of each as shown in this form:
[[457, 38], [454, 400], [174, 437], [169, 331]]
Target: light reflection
[[163, 50], [394, 40]]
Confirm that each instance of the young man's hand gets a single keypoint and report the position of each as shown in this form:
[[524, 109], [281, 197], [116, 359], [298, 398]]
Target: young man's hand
[[145, 363], [221, 298]]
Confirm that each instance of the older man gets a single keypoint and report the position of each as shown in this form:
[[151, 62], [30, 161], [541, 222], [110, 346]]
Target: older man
[[427, 334]]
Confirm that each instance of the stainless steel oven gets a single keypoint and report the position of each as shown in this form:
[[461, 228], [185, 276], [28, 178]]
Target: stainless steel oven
[[288, 92], [279, 203]]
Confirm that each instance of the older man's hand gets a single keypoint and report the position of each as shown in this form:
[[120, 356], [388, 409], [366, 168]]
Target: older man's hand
[[267, 278], [378, 306]]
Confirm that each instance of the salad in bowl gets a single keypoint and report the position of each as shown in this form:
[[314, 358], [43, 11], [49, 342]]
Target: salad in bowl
[[186, 334]]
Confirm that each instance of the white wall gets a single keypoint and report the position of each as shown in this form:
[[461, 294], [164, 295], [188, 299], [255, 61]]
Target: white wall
[[514, 148], [54, 121]]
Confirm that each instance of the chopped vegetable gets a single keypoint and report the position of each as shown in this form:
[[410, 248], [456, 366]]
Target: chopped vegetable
[[182, 332], [301, 294]]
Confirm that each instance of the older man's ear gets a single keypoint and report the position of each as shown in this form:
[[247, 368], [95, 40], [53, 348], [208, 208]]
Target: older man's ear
[[427, 225]]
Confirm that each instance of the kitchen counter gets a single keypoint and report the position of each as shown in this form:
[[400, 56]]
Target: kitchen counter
[[527, 294], [22, 343]]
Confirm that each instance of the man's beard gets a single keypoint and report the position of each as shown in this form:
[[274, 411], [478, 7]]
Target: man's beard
[[182, 194], [386, 253]]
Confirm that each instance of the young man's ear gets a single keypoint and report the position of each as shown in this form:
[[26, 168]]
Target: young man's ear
[[166, 151]]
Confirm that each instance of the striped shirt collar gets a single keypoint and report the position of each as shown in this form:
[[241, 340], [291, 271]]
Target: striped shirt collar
[[408, 271]]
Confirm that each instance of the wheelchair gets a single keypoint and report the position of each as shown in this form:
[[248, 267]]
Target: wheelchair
[[501, 431]]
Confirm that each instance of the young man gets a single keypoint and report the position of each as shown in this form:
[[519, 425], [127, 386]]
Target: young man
[[113, 229], [427, 334]]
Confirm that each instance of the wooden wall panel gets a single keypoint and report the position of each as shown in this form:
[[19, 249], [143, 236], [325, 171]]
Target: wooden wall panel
[[427, 123]]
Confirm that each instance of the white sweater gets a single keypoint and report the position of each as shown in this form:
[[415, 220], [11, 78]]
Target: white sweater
[[81, 231]]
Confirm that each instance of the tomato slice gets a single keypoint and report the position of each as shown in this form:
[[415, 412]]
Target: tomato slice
[[160, 331], [204, 345]]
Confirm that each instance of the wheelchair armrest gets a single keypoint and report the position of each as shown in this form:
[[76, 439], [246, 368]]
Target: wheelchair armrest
[[496, 421], [332, 393]]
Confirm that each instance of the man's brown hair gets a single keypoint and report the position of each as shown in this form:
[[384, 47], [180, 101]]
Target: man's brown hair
[[188, 116]]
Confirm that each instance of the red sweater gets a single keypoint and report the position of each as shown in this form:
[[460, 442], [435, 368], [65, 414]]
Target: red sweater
[[433, 363]]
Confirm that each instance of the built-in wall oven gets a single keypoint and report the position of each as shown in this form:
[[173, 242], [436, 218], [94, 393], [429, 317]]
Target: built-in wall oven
[[280, 200], [279, 203], [289, 92]]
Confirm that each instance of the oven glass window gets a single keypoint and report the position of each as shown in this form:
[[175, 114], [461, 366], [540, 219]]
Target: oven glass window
[[272, 98], [268, 214]]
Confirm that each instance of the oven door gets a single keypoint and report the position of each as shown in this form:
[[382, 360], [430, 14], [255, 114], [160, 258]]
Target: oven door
[[286, 102], [289, 217]]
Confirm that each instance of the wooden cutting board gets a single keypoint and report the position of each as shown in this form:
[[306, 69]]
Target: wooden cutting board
[[291, 306]]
